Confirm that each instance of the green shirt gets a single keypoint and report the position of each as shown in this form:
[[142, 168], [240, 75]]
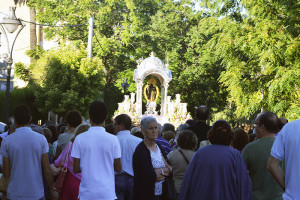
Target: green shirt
[[256, 155]]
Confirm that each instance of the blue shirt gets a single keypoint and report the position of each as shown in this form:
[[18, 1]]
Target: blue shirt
[[216, 172], [24, 149], [286, 148], [165, 145], [128, 144], [3, 135]]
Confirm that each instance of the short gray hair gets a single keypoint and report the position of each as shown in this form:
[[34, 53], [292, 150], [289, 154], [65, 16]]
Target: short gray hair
[[182, 127], [134, 130], [147, 120]]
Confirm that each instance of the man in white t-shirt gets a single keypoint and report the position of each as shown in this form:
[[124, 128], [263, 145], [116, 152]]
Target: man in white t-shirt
[[97, 155], [128, 142], [286, 148]]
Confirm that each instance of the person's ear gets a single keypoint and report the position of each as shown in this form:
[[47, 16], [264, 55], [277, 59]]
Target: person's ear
[[16, 123], [122, 126]]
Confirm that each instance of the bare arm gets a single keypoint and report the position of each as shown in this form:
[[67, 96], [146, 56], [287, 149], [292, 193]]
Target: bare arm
[[117, 165], [48, 175], [76, 166], [167, 169], [276, 171], [6, 167], [55, 170], [159, 176]]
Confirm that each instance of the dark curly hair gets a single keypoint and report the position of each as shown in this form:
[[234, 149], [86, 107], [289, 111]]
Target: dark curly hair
[[73, 118], [187, 140], [240, 139], [220, 133]]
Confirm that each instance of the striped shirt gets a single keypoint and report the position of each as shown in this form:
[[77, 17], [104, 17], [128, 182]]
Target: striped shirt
[[165, 145]]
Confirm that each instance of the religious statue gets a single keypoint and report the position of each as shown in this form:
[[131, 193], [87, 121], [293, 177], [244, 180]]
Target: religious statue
[[151, 91]]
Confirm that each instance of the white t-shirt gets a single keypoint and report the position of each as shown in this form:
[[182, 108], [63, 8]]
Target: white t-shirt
[[286, 147], [97, 150]]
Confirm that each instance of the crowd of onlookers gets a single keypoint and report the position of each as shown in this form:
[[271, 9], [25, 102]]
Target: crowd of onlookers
[[145, 161]]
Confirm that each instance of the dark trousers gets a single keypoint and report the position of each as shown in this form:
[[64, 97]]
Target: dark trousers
[[157, 197], [124, 186]]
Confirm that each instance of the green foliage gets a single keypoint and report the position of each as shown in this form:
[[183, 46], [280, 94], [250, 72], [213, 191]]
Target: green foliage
[[235, 56], [36, 52], [21, 96], [262, 62], [71, 80], [21, 71]]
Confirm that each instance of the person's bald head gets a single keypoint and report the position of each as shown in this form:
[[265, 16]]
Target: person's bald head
[[202, 113], [268, 121]]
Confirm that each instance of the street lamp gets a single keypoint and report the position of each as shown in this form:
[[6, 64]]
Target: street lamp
[[125, 85], [11, 24]]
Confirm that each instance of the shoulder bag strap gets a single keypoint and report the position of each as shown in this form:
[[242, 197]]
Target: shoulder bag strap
[[67, 155], [186, 160]]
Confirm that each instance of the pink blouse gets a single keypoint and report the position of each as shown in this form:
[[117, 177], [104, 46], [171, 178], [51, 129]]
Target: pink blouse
[[59, 162]]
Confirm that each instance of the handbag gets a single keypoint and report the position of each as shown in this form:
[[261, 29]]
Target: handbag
[[62, 175], [170, 190], [4, 184]]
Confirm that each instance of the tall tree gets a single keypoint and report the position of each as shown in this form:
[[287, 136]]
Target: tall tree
[[243, 55], [258, 55]]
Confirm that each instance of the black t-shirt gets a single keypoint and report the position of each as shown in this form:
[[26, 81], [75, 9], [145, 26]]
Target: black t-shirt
[[200, 129]]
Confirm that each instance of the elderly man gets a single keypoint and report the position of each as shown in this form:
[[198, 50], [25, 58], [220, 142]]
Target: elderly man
[[286, 148], [256, 155]]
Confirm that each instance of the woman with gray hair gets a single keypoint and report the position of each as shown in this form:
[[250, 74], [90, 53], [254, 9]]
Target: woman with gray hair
[[180, 159], [149, 164]]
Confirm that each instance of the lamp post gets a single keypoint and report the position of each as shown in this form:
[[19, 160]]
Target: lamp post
[[125, 85], [10, 25]]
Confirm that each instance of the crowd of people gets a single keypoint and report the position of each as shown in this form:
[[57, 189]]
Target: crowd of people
[[149, 161]]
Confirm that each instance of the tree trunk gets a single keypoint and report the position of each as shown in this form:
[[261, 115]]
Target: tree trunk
[[33, 38]]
